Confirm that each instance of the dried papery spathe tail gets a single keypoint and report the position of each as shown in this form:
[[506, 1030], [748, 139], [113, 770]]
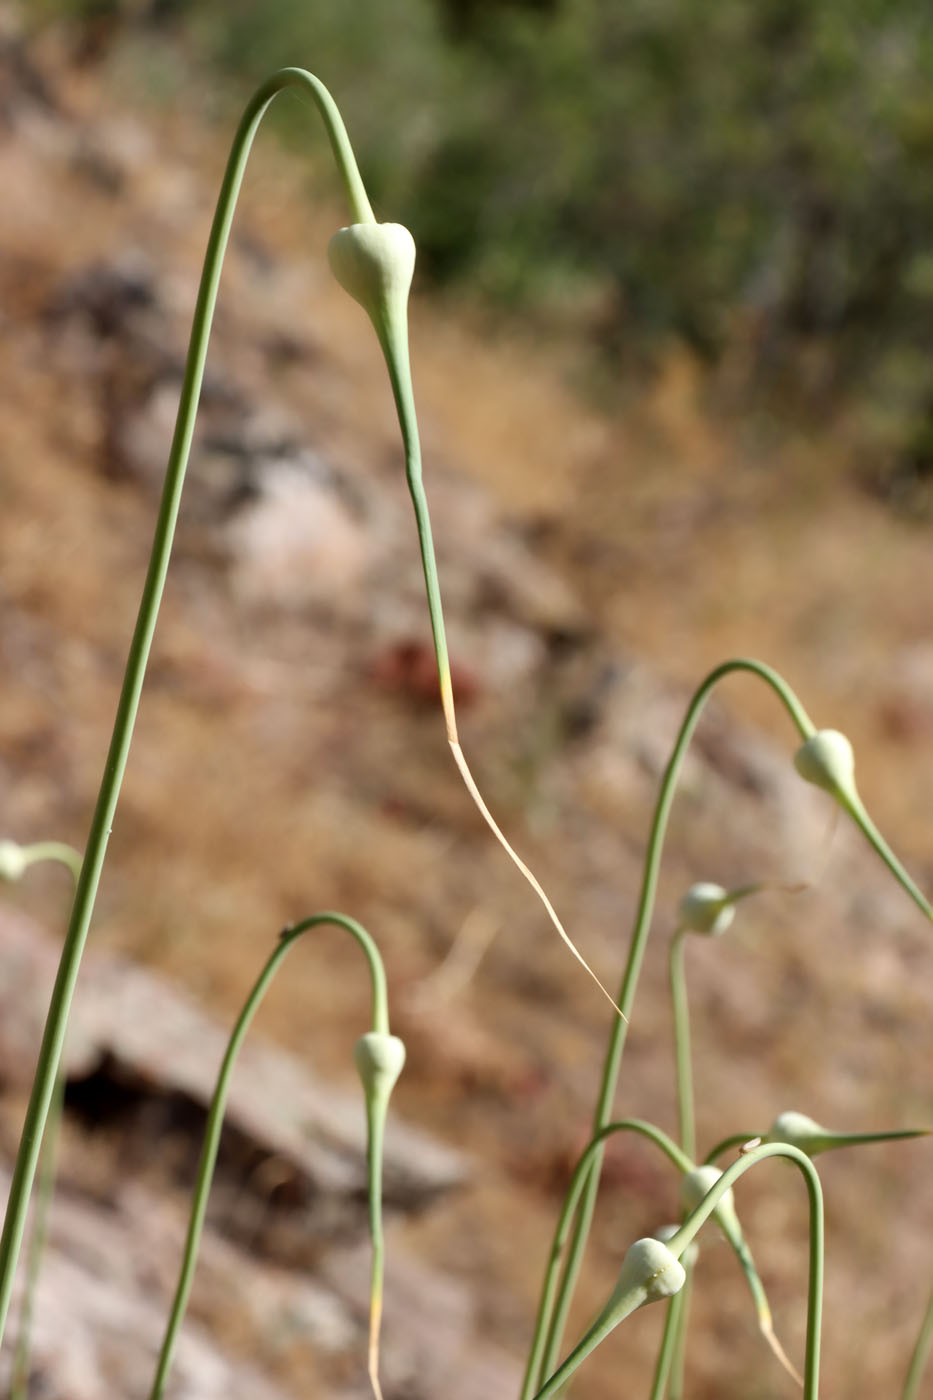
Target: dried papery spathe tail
[[649, 1274], [694, 1189], [374, 263], [826, 760], [812, 1138]]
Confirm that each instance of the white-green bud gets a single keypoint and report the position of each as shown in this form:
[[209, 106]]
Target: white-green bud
[[827, 761], [798, 1130], [379, 1059], [697, 1184], [691, 1254], [649, 1273], [375, 264], [13, 861], [706, 908]]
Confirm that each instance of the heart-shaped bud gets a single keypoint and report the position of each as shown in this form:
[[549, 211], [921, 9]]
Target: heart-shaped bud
[[379, 1059], [13, 861], [375, 264], [827, 761], [706, 908], [696, 1185], [649, 1273]]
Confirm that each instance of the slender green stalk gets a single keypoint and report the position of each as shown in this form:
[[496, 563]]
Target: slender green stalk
[[218, 1105], [678, 1242], [58, 852], [681, 1324], [18, 860], [102, 822], [645, 910], [856, 810], [682, 1059], [727, 1144], [668, 1344], [536, 1361], [42, 1207], [920, 1355]]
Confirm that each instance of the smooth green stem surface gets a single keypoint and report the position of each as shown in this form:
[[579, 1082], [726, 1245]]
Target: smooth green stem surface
[[541, 1362], [681, 1326], [218, 1106], [668, 1346], [856, 810], [678, 1242], [643, 917], [682, 1061], [45, 1191], [102, 822], [919, 1356]]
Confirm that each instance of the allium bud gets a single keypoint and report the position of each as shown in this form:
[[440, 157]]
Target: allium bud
[[827, 761], [706, 908]]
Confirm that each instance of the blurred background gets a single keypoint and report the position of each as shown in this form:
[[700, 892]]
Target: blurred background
[[671, 341]]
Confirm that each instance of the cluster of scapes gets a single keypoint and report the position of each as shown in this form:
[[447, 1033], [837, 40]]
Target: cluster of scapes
[[374, 262]]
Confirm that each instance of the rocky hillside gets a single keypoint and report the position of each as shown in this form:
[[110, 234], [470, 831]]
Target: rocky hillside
[[290, 756]]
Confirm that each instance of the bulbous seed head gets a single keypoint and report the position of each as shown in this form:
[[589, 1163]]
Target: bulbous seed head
[[379, 1059], [375, 264], [798, 1130], [696, 1185], [706, 908], [12, 861], [650, 1268], [826, 760]]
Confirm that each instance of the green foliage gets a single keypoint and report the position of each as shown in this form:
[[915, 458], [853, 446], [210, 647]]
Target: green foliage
[[733, 176]]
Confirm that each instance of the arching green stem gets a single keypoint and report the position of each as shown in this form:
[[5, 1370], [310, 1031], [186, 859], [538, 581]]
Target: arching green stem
[[537, 1361], [919, 1356], [101, 825], [58, 853], [678, 1242], [682, 1061], [729, 1143], [645, 910], [218, 1105]]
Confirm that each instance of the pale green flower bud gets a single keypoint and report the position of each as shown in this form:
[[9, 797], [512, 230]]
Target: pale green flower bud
[[706, 908], [696, 1185], [690, 1255], [649, 1273], [827, 761], [379, 1059], [13, 861], [375, 264], [800, 1131]]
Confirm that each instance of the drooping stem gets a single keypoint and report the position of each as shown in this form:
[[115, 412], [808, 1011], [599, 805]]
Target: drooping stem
[[538, 1366], [218, 1105], [919, 1356], [102, 822], [678, 1242], [682, 1060], [727, 1144], [643, 917]]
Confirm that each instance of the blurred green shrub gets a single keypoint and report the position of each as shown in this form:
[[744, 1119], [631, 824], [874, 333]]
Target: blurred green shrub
[[755, 180]]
